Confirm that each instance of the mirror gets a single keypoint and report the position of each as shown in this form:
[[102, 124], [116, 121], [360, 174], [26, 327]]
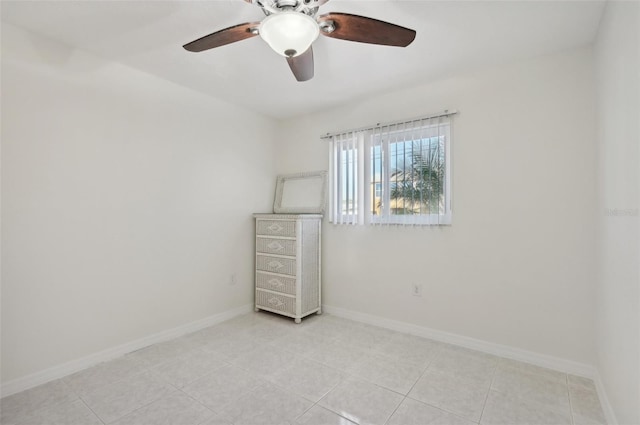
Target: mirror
[[301, 193]]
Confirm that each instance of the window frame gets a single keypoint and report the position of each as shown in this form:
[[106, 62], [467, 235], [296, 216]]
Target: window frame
[[418, 219], [360, 145]]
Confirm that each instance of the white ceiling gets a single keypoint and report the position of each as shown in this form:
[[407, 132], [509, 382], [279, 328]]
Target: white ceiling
[[451, 36]]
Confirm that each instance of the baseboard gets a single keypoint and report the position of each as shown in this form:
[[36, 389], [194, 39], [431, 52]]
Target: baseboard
[[550, 362], [607, 409], [543, 360], [60, 371]]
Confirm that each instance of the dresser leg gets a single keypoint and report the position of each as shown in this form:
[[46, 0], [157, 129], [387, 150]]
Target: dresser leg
[[319, 312], [298, 321], [256, 309]]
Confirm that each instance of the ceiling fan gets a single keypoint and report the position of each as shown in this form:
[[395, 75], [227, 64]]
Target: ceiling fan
[[291, 26]]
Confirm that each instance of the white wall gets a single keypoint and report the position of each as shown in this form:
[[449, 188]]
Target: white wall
[[126, 203], [517, 266], [617, 54]]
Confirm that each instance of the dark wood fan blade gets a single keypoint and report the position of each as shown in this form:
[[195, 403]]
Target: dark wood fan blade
[[365, 30], [302, 65], [222, 37]]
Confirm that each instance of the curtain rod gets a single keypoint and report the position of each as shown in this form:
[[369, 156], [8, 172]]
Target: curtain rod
[[444, 113]]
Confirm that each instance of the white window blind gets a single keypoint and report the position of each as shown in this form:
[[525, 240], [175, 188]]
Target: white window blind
[[397, 173]]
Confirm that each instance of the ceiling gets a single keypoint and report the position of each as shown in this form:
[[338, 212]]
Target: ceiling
[[452, 36]]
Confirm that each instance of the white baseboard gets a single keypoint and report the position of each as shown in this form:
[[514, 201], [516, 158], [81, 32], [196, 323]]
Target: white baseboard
[[543, 360], [65, 369], [550, 362]]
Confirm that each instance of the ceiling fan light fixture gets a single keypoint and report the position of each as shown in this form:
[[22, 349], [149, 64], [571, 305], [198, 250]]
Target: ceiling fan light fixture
[[289, 33]]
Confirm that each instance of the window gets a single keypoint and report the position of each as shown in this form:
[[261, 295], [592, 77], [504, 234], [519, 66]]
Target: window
[[393, 174], [377, 190]]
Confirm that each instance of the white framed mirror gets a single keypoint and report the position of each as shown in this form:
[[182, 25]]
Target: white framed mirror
[[301, 193]]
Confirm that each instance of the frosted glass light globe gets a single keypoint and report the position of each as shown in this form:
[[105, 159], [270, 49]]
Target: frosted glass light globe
[[289, 33]]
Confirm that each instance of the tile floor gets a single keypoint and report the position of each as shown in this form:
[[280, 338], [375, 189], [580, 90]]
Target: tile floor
[[263, 369]]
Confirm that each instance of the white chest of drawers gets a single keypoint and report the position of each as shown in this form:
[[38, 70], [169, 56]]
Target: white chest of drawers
[[288, 264]]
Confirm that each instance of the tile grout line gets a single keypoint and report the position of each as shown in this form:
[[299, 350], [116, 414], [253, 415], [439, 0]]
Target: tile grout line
[[327, 408], [314, 404], [142, 406], [149, 403], [317, 403], [303, 356], [395, 410], [414, 384], [346, 374], [493, 377], [336, 339], [569, 397], [143, 368], [457, 414], [199, 402], [91, 410], [150, 369]]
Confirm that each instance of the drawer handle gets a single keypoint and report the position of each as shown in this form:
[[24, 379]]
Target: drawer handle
[[275, 246], [276, 283], [276, 302], [275, 228], [275, 265]]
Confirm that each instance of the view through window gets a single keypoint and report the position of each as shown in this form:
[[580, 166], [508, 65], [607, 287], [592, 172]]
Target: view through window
[[397, 174]]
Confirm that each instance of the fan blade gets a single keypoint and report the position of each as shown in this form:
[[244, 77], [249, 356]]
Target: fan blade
[[365, 30], [223, 37], [302, 65]]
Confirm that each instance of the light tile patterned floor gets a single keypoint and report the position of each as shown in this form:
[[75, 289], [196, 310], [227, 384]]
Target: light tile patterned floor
[[264, 369]]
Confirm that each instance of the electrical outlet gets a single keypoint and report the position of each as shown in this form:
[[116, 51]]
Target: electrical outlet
[[233, 280], [416, 290]]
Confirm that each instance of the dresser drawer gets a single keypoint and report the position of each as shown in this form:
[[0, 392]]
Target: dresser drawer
[[276, 228], [282, 284], [276, 264], [276, 246], [276, 302]]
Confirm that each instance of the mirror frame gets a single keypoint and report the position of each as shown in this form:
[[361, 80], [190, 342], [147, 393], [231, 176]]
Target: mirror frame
[[281, 181]]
